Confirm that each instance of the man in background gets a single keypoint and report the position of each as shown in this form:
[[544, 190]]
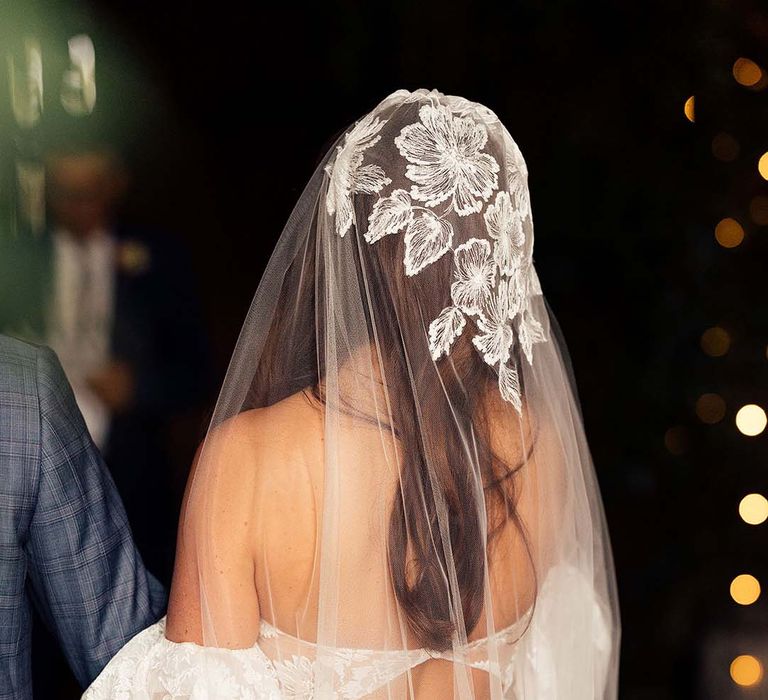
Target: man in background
[[118, 305]]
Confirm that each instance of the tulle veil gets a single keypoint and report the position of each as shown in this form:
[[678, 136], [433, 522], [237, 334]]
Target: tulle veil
[[399, 441]]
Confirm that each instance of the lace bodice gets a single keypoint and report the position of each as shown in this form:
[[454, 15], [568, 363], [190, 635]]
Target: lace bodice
[[568, 625], [151, 666], [360, 672]]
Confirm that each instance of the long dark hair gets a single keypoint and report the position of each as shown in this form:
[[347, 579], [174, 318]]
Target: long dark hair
[[437, 406]]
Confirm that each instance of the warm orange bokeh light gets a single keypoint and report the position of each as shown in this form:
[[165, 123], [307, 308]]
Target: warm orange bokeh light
[[746, 670], [745, 589], [710, 408], [753, 509], [689, 108], [746, 72], [676, 440], [715, 341], [729, 233]]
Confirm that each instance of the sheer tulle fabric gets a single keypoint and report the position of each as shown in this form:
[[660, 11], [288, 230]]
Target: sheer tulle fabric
[[428, 523]]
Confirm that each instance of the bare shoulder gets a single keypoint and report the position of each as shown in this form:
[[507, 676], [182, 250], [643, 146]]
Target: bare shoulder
[[245, 479], [284, 425], [266, 447]]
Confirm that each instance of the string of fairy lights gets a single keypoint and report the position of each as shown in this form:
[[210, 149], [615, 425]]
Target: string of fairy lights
[[746, 670]]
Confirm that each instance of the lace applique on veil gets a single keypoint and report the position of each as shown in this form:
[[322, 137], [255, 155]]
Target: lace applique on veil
[[445, 162]]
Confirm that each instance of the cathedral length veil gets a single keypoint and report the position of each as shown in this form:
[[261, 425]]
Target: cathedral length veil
[[418, 490]]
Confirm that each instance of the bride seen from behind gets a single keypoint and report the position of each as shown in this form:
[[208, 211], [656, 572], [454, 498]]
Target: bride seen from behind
[[396, 497]]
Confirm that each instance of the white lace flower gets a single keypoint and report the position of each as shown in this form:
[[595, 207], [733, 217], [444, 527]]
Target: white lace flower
[[475, 274], [426, 240], [389, 215], [348, 175], [496, 336], [505, 226], [444, 330], [445, 160]]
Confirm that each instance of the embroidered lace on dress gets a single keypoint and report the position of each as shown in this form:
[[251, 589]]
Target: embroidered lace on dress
[[153, 667]]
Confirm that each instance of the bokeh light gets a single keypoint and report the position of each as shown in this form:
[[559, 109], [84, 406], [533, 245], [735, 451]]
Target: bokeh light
[[758, 210], [746, 670], [78, 84], [747, 72], [762, 166], [710, 408], [725, 147], [745, 589], [750, 420], [753, 508], [715, 341], [689, 108], [25, 73], [729, 233], [676, 440]]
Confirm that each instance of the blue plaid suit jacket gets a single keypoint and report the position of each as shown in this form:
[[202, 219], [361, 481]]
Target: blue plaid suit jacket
[[65, 543]]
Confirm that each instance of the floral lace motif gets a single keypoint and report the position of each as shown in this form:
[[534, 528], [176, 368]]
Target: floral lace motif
[[494, 278], [151, 666], [350, 175], [357, 673]]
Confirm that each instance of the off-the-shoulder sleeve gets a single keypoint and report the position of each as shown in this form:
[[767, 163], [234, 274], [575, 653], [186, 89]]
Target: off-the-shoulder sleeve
[[151, 667]]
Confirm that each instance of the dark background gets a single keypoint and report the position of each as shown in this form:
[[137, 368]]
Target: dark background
[[222, 111]]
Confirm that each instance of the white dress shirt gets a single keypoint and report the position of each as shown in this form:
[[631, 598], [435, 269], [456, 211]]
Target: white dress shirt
[[81, 315]]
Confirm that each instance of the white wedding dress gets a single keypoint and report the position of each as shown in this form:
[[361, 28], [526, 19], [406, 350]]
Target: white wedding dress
[[151, 667]]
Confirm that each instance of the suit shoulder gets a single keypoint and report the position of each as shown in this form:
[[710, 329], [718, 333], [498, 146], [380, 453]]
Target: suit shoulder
[[19, 365], [18, 352], [28, 368]]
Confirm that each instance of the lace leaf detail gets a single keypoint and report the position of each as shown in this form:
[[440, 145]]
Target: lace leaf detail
[[444, 330], [530, 331], [426, 239], [509, 385], [518, 290], [296, 677], [389, 215], [495, 339], [348, 175], [369, 179]]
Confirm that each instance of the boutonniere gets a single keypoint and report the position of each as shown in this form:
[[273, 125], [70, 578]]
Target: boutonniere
[[133, 257]]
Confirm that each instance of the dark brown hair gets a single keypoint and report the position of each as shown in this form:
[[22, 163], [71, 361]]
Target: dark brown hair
[[440, 408]]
